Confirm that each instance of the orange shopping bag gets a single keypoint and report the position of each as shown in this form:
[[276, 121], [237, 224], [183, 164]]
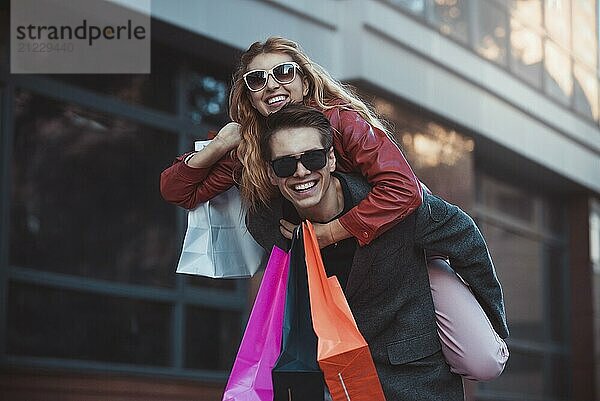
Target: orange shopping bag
[[342, 352]]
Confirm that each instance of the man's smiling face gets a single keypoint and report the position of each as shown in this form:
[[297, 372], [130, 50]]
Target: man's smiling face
[[305, 189]]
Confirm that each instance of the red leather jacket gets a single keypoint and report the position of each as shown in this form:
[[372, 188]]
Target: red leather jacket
[[359, 147]]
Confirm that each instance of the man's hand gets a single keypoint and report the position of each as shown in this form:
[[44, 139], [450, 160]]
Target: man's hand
[[286, 228], [322, 231]]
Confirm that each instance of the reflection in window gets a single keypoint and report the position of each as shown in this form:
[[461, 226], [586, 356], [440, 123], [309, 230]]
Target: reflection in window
[[436, 146], [451, 17], [206, 100], [527, 11], [586, 91], [441, 157], [557, 72], [491, 32], [428, 143], [585, 45], [557, 17], [526, 52], [414, 6], [48, 322], [85, 199]]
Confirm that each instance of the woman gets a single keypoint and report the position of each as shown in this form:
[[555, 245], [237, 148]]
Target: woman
[[361, 142], [275, 73]]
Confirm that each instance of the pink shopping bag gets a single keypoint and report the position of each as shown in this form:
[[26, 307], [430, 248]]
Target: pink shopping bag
[[250, 378]]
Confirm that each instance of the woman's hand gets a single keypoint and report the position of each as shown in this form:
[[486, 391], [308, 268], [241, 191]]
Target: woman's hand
[[229, 136], [227, 139]]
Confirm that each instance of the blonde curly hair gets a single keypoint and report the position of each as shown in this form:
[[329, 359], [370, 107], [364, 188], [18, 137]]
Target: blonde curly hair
[[324, 92]]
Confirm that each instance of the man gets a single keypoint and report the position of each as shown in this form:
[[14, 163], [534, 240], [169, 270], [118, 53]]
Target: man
[[385, 282]]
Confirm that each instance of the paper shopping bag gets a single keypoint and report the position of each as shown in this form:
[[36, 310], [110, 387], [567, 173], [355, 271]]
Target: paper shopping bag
[[250, 378], [296, 375], [217, 243], [342, 352]]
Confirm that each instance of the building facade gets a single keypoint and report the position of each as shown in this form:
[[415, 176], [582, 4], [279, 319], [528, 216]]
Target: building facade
[[494, 102]]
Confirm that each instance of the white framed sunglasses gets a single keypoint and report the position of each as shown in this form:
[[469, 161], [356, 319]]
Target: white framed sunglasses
[[283, 73]]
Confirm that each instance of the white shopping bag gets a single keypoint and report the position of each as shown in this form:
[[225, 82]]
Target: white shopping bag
[[217, 243]]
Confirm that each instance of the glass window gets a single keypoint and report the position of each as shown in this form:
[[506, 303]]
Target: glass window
[[518, 263], [435, 146], [451, 17], [556, 288], [530, 260], [554, 219], [199, 281], [585, 45], [156, 90], [585, 94], [442, 157], [490, 40], [85, 198], [48, 322], [4, 36], [414, 6], [559, 381], [526, 52], [557, 18], [508, 200], [558, 80], [527, 11], [212, 339], [86, 212], [523, 378]]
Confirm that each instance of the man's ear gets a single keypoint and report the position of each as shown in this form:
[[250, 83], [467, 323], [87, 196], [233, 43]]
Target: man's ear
[[331, 160]]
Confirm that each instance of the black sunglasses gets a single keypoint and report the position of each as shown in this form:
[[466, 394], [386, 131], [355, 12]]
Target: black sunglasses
[[283, 73], [312, 160]]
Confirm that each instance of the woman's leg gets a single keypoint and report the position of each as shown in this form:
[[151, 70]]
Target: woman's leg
[[469, 343]]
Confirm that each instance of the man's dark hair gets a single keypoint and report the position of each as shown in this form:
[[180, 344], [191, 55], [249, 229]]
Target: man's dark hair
[[294, 116]]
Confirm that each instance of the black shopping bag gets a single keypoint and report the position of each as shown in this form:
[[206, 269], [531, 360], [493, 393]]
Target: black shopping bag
[[296, 374]]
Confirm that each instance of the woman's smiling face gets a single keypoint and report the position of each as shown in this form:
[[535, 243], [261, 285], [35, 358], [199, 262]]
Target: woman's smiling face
[[275, 95]]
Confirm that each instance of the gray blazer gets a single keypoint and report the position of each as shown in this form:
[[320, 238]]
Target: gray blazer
[[388, 290]]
